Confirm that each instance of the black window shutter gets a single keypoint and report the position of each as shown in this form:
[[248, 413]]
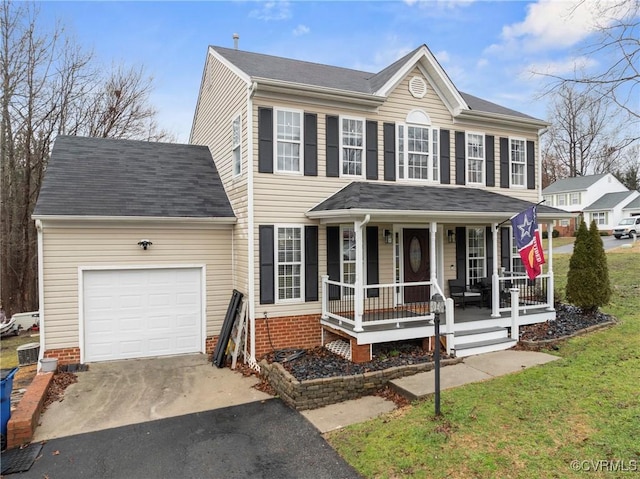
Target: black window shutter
[[333, 259], [490, 158], [461, 253], [372, 260], [333, 147], [461, 158], [489, 243], [267, 288], [505, 175], [389, 140], [265, 140], [505, 248], [311, 263], [531, 165], [372, 150], [310, 144], [445, 157]]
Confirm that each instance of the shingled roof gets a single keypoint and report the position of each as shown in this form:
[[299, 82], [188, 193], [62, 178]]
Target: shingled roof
[[363, 196], [577, 183], [258, 65], [610, 200], [119, 178]]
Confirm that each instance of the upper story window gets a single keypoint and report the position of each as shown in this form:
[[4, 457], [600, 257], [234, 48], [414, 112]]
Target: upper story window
[[561, 200], [475, 158], [288, 134], [549, 200], [574, 198], [418, 151], [352, 146], [236, 129], [518, 161], [289, 263]]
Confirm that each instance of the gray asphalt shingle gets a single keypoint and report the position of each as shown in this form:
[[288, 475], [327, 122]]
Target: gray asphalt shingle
[[577, 183], [609, 200], [258, 65], [109, 177], [402, 197]]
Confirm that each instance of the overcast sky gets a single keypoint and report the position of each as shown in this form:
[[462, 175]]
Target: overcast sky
[[489, 49]]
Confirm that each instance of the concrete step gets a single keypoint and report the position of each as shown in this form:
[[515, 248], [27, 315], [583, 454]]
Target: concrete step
[[481, 347], [482, 334]]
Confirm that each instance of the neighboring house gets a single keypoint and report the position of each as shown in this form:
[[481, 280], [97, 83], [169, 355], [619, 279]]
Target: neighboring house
[[576, 194], [632, 208], [135, 250], [607, 211], [359, 195]]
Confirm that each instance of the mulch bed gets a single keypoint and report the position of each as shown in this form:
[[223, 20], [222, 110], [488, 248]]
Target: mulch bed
[[59, 383], [569, 321]]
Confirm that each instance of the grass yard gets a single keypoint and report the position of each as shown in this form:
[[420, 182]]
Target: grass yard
[[533, 424], [8, 345]]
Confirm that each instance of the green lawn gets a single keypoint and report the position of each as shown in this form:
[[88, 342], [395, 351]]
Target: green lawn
[[533, 424], [8, 345]]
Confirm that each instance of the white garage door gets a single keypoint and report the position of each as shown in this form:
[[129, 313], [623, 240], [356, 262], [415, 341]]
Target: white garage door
[[141, 312]]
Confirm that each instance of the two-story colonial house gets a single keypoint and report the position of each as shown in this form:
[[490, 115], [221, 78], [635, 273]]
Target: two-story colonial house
[[359, 195]]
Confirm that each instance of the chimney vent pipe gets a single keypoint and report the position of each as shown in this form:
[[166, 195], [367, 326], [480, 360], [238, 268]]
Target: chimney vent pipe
[[236, 37]]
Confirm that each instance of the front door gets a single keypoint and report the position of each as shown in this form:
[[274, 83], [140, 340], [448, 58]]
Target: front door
[[416, 264]]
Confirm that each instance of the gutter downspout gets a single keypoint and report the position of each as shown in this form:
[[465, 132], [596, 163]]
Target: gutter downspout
[[359, 284], [40, 288], [250, 228]]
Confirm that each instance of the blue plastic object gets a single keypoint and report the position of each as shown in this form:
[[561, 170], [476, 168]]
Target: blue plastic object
[[6, 385]]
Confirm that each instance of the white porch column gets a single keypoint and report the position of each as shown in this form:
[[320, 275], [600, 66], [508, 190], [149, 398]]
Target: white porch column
[[325, 295], [550, 281], [359, 291], [515, 313], [433, 229], [495, 282]]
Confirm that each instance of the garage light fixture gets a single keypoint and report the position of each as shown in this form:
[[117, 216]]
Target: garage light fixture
[[144, 244]]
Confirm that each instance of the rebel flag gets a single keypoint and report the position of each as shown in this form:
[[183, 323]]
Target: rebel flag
[[528, 241]]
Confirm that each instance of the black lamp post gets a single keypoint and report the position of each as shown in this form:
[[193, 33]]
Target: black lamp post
[[437, 306]]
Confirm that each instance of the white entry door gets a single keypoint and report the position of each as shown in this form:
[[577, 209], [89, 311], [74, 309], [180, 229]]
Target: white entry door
[[139, 313]]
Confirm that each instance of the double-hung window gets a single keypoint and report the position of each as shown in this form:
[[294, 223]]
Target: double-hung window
[[574, 198], [518, 160], [352, 145], [561, 200], [476, 255], [600, 217], [236, 130], [288, 134], [348, 257], [418, 152], [290, 259], [475, 158]]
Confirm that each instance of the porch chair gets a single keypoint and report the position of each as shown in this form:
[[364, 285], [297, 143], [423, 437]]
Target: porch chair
[[462, 294]]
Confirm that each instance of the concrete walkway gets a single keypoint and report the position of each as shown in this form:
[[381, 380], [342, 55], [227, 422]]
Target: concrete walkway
[[474, 368]]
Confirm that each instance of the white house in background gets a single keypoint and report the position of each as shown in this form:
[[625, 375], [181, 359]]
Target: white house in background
[[607, 211], [576, 194], [632, 208]]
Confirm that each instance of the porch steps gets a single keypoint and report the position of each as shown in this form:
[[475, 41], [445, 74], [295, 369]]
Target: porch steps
[[484, 340]]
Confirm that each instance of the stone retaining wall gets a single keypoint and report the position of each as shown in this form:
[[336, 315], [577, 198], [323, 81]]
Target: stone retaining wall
[[315, 393]]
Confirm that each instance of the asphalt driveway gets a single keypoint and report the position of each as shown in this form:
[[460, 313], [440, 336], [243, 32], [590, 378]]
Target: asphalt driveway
[[263, 439]]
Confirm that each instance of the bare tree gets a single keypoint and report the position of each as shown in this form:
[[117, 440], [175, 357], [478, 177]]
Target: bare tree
[[629, 170], [51, 86], [584, 136]]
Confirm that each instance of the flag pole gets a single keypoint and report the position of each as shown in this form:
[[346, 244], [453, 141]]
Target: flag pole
[[509, 219]]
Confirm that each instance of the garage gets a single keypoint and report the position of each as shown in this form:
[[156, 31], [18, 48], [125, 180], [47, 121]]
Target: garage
[[135, 313]]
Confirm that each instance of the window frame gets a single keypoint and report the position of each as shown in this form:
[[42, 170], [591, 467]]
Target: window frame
[[575, 195], [402, 152], [513, 163], [343, 229], [236, 148], [561, 199], [468, 158], [277, 141], [363, 148], [277, 263], [468, 256], [595, 216]]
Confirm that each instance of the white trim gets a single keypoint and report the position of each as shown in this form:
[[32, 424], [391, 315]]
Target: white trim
[[133, 267], [138, 219], [466, 252], [277, 109], [276, 263], [251, 270], [42, 324], [418, 116], [434, 137], [403, 215], [237, 71], [363, 158]]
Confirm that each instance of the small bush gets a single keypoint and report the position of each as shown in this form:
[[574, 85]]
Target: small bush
[[555, 234], [545, 234]]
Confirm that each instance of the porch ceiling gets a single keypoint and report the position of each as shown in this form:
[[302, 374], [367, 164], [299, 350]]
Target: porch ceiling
[[398, 201]]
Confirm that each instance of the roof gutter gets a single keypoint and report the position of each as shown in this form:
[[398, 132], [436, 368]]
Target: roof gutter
[[327, 215], [500, 119], [137, 219]]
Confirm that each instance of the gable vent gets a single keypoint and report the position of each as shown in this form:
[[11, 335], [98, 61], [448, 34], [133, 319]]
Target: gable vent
[[417, 87]]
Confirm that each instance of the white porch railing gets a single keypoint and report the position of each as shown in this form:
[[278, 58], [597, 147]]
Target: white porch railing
[[531, 293]]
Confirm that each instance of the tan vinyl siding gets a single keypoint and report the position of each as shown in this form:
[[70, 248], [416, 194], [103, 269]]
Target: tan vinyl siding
[[67, 249], [223, 96]]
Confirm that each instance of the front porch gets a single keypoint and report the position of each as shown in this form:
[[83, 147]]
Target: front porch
[[385, 317]]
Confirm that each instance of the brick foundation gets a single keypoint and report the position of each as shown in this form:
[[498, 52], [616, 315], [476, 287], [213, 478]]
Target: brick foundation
[[287, 332], [360, 353], [64, 355], [24, 419]]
